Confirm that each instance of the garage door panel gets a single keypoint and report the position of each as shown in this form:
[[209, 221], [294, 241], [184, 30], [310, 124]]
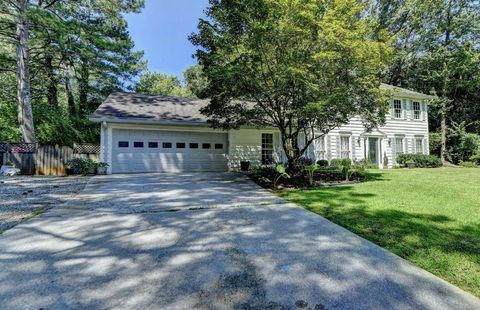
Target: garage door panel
[[131, 160]]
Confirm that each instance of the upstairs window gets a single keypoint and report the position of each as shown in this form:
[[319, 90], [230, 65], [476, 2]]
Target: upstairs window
[[416, 110], [267, 148], [397, 108]]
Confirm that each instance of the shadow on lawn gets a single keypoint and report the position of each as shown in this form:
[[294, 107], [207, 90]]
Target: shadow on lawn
[[402, 232]]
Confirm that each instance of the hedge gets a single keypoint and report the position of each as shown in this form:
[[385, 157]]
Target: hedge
[[421, 160]]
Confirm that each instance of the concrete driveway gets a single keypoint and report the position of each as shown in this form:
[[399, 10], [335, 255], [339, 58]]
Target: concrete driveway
[[202, 241]]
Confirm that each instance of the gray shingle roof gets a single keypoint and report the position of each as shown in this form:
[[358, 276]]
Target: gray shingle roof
[[403, 92], [134, 107]]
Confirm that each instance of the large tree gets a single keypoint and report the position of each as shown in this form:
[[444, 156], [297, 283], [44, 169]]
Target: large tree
[[302, 66], [156, 83], [438, 50]]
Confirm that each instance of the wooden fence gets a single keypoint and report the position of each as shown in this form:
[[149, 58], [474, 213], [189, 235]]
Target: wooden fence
[[45, 159]]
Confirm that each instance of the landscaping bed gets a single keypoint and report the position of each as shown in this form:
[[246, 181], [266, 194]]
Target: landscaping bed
[[22, 197]]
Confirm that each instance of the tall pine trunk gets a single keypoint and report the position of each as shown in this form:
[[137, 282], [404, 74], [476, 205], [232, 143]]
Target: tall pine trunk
[[83, 80], [25, 115], [52, 91]]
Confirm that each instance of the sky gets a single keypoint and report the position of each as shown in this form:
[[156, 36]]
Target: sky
[[161, 30]]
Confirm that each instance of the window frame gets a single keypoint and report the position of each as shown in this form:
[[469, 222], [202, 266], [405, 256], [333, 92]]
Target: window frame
[[417, 114], [395, 109], [167, 145], [152, 145], [344, 152], [204, 146], [180, 145], [126, 144], [138, 144], [320, 152], [218, 146], [402, 141], [267, 148], [421, 145], [195, 147]]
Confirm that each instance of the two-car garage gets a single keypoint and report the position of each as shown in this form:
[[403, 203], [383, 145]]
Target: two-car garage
[[139, 151]]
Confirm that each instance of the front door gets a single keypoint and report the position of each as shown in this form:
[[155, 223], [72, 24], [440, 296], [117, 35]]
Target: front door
[[373, 150]]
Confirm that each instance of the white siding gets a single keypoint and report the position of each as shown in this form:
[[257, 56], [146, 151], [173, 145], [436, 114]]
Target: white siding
[[405, 126], [246, 145]]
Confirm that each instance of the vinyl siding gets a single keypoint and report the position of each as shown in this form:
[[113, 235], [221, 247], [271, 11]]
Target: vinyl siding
[[405, 126]]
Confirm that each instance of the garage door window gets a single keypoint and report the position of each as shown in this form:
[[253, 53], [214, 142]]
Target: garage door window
[[138, 144], [194, 145], [218, 146], [123, 144], [180, 145], [153, 145], [167, 145], [206, 146]]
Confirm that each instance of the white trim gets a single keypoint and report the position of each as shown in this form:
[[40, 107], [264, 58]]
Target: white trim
[[110, 149]]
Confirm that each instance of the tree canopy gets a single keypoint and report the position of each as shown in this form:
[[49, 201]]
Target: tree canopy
[[299, 66]]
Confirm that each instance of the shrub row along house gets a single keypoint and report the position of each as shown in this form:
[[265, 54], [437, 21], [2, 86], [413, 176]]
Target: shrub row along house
[[145, 133]]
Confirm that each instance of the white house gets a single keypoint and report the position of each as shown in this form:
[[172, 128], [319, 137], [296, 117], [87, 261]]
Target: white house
[[145, 133]]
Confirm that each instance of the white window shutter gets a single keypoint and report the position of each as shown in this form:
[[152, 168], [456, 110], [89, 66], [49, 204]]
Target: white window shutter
[[352, 142], [339, 146], [392, 109], [424, 111], [404, 108]]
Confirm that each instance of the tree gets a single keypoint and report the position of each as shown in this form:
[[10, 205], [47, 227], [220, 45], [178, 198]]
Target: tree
[[161, 84], [299, 66], [438, 49], [195, 81]]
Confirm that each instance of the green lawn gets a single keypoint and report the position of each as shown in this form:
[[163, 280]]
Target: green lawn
[[430, 217]]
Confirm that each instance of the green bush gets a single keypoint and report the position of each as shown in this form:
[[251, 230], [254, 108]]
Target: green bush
[[339, 162], [475, 158], [421, 160], [322, 163], [468, 164]]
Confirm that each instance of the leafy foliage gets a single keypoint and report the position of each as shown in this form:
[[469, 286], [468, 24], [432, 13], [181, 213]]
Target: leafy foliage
[[281, 172], [161, 84], [420, 160], [310, 170], [298, 66]]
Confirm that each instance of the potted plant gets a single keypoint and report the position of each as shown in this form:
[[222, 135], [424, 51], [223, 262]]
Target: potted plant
[[410, 164], [244, 165], [102, 168], [88, 166]]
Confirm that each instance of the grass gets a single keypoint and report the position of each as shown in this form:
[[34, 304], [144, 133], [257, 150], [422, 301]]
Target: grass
[[430, 217]]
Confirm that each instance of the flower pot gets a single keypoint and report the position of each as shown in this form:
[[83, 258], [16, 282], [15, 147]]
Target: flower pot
[[244, 165]]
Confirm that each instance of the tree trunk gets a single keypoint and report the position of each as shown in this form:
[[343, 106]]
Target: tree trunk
[[443, 133], [70, 98], [292, 151], [83, 88], [52, 92], [25, 115]]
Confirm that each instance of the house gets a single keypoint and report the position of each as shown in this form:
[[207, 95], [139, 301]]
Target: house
[[146, 133]]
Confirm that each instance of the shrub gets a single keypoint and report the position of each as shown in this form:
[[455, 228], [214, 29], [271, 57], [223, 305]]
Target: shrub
[[367, 164], [338, 162], [475, 158], [84, 165], [468, 164], [310, 170], [281, 173], [322, 163], [421, 160]]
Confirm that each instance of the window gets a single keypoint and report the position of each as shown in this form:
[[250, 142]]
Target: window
[[397, 107], [180, 145], [399, 145], [138, 144], [193, 145], [218, 146], [123, 144], [167, 145], [416, 110], [153, 145], [206, 145], [419, 146], [267, 148], [320, 147], [345, 147]]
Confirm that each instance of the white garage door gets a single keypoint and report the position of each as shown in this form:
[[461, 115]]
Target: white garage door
[[135, 151]]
